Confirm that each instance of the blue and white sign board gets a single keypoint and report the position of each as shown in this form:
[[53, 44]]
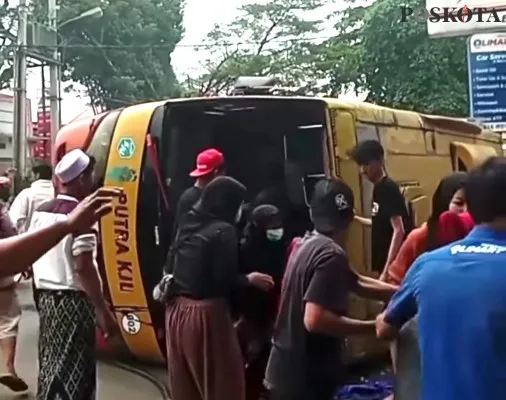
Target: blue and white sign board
[[487, 79]]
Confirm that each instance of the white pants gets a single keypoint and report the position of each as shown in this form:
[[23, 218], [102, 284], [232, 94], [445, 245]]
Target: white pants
[[10, 313]]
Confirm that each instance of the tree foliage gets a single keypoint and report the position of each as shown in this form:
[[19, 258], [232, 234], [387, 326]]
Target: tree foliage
[[273, 38], [373, 52], [7, 34], [396, 63], [123, 57]]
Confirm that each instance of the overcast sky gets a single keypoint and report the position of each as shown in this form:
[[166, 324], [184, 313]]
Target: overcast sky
[[200, 17]]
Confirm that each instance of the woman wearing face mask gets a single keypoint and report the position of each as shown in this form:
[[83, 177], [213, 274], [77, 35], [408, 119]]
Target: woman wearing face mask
[[448, 222], [204, 358], [263, 248]]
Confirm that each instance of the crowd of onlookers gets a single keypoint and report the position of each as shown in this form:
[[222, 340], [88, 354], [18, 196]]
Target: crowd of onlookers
[[254, 312], [256, 308], [52, 239]]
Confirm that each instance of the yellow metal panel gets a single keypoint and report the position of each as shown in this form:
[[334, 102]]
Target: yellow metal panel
[[402, 140], [422, 209], [430, 141], [444, 142], [355, 244], [408, 119], [331, 145], [427, 170], [473, 155], [119, 238], [345, 132]]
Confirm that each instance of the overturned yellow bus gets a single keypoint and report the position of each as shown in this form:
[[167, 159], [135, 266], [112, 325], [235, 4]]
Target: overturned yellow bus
[[148, 149]]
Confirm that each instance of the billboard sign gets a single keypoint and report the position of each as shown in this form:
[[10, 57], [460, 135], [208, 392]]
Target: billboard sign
[[449, 18], [487, 79]]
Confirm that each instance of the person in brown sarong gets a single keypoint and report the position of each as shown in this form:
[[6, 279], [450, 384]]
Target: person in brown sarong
[[203, 354]]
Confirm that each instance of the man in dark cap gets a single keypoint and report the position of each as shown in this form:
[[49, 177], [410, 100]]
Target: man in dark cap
[[306, 355]]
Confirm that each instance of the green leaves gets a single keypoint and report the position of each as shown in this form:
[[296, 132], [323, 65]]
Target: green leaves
[[266, 39], [7, 25], [124, 57], [396, 63]]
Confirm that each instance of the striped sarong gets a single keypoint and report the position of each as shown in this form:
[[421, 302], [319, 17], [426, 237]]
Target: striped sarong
[[67, 363]]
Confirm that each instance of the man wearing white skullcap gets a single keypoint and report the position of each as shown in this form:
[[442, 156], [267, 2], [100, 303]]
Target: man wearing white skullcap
[[69, 292]]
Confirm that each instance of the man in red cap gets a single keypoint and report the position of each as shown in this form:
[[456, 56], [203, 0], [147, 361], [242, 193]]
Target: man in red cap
[[210, 164]]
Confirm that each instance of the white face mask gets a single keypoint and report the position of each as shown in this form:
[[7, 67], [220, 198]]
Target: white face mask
[[275, 234]]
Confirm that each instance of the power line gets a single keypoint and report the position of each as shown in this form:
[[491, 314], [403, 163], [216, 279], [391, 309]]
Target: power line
[[163, 46]]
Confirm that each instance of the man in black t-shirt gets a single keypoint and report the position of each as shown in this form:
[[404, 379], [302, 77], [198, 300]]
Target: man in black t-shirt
[[305, 362], [389, 214]]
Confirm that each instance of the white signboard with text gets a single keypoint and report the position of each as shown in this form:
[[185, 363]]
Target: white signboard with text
[[448, 18], [487, 79]]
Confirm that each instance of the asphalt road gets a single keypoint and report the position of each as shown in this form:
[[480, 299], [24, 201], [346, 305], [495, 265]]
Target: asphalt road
[[113, 382]]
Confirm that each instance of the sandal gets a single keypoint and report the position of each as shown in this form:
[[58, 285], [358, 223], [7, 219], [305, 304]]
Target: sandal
[[14, 383]]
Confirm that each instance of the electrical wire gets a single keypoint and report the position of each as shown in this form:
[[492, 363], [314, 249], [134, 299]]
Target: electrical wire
[[170, 46]]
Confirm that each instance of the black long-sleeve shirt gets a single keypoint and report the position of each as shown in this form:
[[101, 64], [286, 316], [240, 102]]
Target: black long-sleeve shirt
[[206, 259], [187, 199]]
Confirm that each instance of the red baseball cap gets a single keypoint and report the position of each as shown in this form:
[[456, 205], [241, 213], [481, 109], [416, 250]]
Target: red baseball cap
[[207, 161]]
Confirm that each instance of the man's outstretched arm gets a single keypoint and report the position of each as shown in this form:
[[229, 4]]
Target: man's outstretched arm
[[374, 289], [401, 308], [19, 252]]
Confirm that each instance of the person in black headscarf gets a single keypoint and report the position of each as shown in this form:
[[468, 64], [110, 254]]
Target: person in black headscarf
[[275, 192], [263, 248], [204, 358], [264, 245]]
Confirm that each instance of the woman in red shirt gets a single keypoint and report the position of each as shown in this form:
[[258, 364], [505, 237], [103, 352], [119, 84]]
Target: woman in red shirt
[[448, 222]]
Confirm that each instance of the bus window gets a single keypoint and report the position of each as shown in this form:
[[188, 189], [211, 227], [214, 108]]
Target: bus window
[[466, 155]]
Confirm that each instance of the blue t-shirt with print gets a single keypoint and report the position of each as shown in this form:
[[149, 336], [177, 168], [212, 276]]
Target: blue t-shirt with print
[[459, 293]]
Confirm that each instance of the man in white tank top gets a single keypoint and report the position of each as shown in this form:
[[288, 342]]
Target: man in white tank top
[[29, 199]]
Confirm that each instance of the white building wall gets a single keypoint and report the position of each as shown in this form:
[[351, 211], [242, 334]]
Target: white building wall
[[7, 129]]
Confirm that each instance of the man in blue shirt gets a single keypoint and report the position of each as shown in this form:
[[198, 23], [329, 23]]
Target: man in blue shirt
[[459, 294]]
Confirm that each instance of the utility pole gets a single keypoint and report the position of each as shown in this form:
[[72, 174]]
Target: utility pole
[[54, 74], [20, 124]]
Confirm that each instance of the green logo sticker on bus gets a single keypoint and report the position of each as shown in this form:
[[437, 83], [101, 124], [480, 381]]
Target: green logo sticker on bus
[[122, 174], [126, 147]]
